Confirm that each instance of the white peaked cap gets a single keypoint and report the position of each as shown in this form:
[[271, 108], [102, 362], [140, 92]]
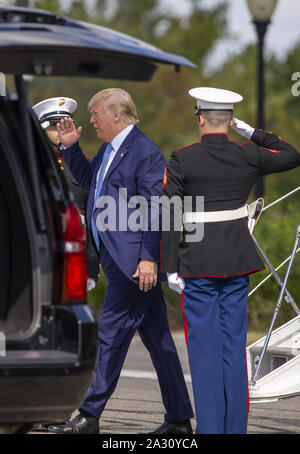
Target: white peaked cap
[[54, 109], [215, 98]]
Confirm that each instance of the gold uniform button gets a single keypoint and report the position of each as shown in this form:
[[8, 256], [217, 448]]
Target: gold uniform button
[[59, 160], [62, 168]]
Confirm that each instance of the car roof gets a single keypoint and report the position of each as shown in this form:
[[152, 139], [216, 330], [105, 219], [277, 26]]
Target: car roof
[[37, 42]]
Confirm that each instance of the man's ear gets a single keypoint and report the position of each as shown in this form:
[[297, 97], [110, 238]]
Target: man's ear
[[201, 120], [117, 116]]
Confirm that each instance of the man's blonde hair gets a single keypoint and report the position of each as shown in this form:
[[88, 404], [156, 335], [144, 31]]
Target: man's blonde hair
[[117, 100]]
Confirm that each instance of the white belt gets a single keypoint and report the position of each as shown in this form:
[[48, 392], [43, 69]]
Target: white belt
[[215, 216]]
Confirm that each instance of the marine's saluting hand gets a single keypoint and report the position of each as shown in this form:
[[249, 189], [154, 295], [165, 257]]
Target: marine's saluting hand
[[242, 128], [67, 133]]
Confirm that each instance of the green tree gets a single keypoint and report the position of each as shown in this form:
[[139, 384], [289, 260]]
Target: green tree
[[54, 6]]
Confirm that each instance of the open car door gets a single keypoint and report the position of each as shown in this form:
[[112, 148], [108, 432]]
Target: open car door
[[39, 43]]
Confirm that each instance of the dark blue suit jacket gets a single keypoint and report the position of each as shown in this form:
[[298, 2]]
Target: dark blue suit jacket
[[138, 166]]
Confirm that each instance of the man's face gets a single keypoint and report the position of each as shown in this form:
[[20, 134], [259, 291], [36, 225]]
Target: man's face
[[52, 133], [104, 123]]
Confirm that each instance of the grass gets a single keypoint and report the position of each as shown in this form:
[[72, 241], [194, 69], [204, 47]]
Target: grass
[[253, 336]]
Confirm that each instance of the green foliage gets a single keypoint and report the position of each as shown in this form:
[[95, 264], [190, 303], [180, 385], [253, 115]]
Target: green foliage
[[166, 114], [49, 5], [276, 233]]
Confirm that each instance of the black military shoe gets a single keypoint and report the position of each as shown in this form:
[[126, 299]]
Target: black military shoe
[[180, 427], [40, 427], [79, 425]]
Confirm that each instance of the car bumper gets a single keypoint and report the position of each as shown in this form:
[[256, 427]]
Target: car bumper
[[47, 382]]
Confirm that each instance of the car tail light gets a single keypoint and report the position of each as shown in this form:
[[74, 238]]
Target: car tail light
[[75, 265]]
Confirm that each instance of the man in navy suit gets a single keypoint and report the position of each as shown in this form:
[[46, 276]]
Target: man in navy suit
[[127, 163]]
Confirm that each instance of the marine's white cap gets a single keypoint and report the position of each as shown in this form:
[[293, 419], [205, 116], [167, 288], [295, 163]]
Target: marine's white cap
[[52, 110], [214, 98]]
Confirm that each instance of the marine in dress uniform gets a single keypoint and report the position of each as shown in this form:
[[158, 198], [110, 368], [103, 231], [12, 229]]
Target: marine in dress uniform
[[49, 112], [213, 274]]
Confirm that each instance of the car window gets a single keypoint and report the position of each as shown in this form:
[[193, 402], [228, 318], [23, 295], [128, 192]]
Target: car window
[[12, 140]]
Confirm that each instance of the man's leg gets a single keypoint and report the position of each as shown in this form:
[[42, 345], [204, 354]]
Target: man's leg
[[204, 343], [233, 314], [156, 336], [122, 313]]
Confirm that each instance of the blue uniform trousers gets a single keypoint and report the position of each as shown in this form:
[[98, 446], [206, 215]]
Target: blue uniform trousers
[[215, 311], [127, 309]]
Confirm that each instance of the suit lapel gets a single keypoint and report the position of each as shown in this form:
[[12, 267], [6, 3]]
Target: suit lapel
[[123, 150], [117, 159]]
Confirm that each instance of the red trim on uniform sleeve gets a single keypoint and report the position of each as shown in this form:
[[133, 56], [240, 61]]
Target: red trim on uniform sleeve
[[272, 151], [269, 149], [165, 180]]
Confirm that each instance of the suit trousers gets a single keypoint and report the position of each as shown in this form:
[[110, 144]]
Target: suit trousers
[[215, 315], [127, 309]]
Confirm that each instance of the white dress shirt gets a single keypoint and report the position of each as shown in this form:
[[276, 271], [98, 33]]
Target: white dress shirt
[[115, 143]]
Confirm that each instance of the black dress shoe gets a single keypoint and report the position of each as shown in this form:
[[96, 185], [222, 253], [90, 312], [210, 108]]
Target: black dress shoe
[[40, 427], [182, 427], [79, 425]]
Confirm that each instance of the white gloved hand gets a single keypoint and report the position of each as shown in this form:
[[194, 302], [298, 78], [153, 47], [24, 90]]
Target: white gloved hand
[[91, 283], [175, 282], [242, 128]]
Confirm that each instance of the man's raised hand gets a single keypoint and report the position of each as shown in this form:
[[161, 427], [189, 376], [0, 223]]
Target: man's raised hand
[[242, 128], [67, 133]]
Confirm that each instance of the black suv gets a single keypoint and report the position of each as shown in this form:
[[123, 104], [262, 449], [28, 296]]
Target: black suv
[[50, 331]]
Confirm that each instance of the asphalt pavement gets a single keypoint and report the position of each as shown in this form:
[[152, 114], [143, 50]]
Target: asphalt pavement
[[136, 406]]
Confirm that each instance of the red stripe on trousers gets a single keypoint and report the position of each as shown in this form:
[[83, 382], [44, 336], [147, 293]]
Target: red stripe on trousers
[[185, 323]]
